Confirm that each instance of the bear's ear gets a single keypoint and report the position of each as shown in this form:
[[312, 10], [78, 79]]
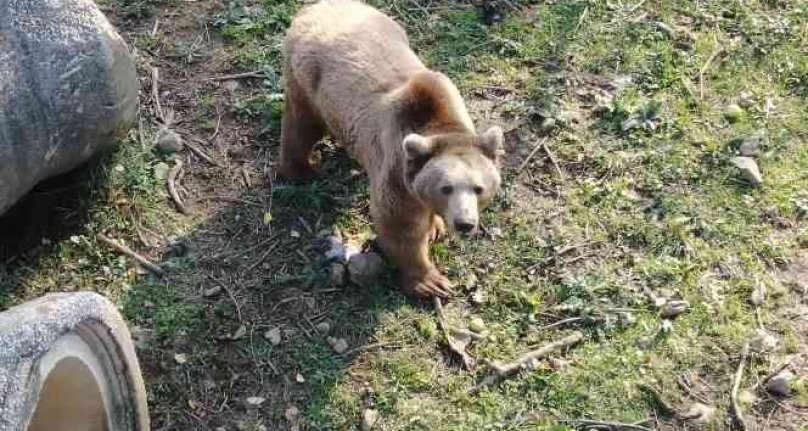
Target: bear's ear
[[417, 146], [491, 142]]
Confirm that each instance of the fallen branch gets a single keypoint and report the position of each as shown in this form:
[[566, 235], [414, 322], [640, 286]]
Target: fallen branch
[[716, 52], [155, 78], [253, 74], [144, 262], [457, 339], [172, 187], [553, 161], [530, 156], [503, 371], [735, 407], [586, 424], [202, 154], [561, 323]]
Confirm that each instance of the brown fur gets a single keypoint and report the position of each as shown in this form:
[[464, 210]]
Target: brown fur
[[349, 71]]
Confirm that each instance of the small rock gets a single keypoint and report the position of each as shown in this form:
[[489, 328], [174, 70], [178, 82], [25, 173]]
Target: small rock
[[337, 274], [365, 268], [369, 418], [169, 141], [273, 336], [750, 147], [338, 344], [338, 250], [213, 291], [161, 171], [558, 364], [758, 296], [763, 341], [747, 398], [746, 100], [780, 384], [674, 308], [477, 324], [299, 378], [666, 327], [231, 85], [479, 297], [548, 124], [626, 319], [323, 327], [240, 333], [749, 169], [255, 401], [733, 112], [700, 413], [180, 358]]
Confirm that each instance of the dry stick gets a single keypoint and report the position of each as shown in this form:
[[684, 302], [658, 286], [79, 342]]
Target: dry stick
[[666, 407], [716, 52], [503, 371], [144, 262], [587, 424], [202, 154], [155, 75], [530, 156], [253, 74], [561, 323], [553, 161], [735, 408], [172, 187], [263, 257]]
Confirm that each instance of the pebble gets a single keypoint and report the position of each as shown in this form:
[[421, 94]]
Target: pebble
[[749, 169], [733, 112], [763, 341], [273, 336], [477, 324], [673, 309], [240, 333], [255, 401], [746, 100], [213, 291], [323, 327], [365, 268], [180, 358], [161, 171], [779, 385], [169, 141], [338, 344], [626, 319], [750, 146], [369, 419]]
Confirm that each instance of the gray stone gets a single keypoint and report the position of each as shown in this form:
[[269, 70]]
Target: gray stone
[[750, 147], [733, 113], [365, 268], [749, 169], [780, 384], [68, 90], [169, 141]]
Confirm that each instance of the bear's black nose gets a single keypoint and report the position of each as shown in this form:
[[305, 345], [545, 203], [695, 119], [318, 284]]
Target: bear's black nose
[[464, 227]]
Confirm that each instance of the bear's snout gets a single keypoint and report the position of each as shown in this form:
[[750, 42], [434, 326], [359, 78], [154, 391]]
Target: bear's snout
[[465, 227]]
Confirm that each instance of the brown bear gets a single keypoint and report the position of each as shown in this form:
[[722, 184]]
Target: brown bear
[[349, 71]]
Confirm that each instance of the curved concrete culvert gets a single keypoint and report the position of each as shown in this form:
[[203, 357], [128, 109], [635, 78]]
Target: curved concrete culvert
[[68, 88], [67, 363]]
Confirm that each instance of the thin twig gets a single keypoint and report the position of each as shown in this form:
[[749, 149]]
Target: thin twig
[[144, 262], [263, 257], [155, 88], [561, 323], [735, 407], [582, 18], [553, 161], [373, 346], [154, 29], [202, 154], [530, 156], [718, 50], [172, 186], [503, 371], [252, 74], [232, 200], [588, 423]]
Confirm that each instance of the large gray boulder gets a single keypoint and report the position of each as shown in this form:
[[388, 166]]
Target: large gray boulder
[[68, 88]]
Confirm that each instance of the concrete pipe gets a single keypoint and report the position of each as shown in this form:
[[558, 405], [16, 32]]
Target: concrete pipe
[[67, 364]]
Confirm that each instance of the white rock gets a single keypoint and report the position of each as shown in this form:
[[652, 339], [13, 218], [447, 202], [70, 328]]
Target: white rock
[[323, 327], [273, 336], [338, 344], [255, 401], [763, 341], [674, 308], [180, 358], [749, 169], [369, 418]]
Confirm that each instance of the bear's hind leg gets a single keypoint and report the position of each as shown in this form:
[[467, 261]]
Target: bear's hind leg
[[300, 130]]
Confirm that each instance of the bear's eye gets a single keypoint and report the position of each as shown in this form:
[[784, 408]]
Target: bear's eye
[[447, 190], [478, 190]]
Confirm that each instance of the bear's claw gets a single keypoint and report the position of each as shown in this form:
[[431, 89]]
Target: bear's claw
[[428, 286]]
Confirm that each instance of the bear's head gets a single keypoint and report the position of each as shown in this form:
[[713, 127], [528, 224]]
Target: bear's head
[[455, 174]]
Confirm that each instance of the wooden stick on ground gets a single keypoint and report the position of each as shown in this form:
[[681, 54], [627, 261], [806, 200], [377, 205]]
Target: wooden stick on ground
[[155, 78], [735, 407], [530, 156], [172, 187], [144, 262], [614, 426], [253, 74], [503, 371]]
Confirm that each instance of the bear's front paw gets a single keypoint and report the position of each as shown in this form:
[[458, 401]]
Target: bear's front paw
[[427, 286], [438, 228]]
